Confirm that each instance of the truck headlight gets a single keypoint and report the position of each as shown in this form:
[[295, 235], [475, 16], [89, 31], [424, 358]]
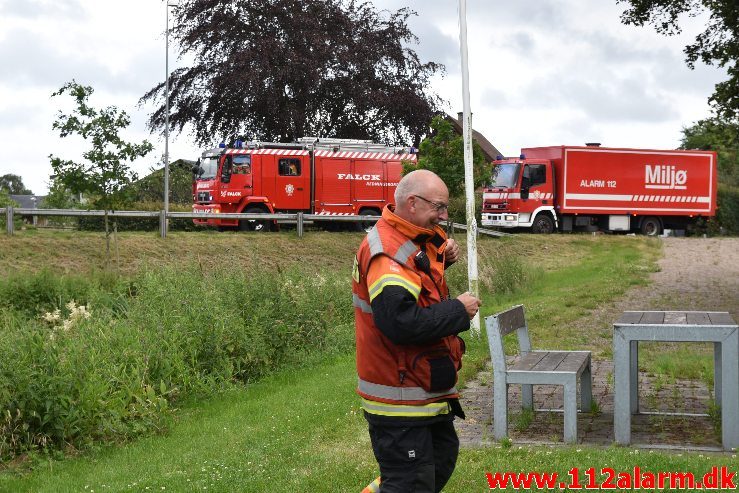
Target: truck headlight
[[510, 218]]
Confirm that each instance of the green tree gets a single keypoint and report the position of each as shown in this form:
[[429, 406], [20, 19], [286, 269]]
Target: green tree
[[13, 184], [277, 70], [105, 173], [6, 201], [443, 153], [149, 188], [717, 45], [722, 136], [59, 197]]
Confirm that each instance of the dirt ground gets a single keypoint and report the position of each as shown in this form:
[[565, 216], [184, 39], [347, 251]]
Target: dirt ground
[[694, 274]]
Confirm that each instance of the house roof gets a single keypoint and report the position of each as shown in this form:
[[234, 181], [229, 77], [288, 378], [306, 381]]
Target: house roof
[[488, 149], [28, 201]]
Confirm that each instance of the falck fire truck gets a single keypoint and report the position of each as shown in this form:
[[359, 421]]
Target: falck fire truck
[[594, 188], [316, 176]]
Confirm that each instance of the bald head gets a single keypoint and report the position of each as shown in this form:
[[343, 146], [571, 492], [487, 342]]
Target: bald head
[[418, 196], [416, 182]]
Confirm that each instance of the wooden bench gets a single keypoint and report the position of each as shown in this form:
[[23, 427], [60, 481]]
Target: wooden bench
[[534, 367]]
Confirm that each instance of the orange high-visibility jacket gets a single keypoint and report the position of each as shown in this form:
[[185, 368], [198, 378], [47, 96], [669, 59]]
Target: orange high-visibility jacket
[[424, 368]]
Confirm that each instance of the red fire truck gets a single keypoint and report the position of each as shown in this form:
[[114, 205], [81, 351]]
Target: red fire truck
[[317, 176], [596, 188]]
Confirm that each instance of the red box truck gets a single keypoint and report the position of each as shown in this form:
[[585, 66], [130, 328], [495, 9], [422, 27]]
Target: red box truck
[[317, 176], [597, 188]]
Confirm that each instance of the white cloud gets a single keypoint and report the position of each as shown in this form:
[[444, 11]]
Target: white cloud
[[542, 72]]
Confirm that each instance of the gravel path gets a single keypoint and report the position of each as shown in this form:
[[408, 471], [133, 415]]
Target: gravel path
[[694, 274]]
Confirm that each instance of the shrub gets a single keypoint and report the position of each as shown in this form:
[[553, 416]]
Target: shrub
[[727, 214], [69, 379], [87, 223], [31, 295]]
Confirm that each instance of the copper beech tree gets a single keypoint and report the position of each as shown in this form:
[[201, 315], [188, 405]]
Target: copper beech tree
[[277, 70]]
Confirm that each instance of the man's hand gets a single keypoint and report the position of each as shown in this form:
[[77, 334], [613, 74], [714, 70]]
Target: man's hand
[[471, 304], [451, 252]]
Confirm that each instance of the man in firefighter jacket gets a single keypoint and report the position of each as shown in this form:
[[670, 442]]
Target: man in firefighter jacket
[[408, 351]]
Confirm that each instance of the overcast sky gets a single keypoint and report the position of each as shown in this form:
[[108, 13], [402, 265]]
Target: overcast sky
[[542, 72]]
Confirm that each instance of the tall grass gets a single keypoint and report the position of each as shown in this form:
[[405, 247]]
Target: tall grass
[[167, 334]]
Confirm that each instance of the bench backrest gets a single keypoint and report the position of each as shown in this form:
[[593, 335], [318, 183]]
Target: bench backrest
[[502, 324]]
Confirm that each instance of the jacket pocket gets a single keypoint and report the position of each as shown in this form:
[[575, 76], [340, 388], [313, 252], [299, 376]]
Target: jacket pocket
[[443, 374], [435, 370]]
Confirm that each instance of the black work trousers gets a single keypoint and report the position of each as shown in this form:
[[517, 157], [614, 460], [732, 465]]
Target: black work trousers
[[415, 459]]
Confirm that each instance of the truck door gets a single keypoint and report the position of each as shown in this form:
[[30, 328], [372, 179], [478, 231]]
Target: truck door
[[292, 183], [536, 185], [368, 183], [335, 188], [236, 178]]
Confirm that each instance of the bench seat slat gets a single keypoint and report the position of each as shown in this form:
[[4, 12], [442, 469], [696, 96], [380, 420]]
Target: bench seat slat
[[574, 362], [630, 318], [676, 318], [698, 318], [653, 317], [722, 318], [550, 361], [529, 360]]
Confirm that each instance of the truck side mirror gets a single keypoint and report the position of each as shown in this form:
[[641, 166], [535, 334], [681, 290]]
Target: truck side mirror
[[197, 170]]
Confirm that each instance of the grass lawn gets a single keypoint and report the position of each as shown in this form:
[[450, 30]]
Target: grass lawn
[[301, 429]]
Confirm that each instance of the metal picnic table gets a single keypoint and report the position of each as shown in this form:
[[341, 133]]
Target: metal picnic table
[[716, 327]]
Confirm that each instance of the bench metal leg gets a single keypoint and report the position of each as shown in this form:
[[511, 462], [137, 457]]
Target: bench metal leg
[[570, 410], [717, 373], [730, 391], [622, 391], [586, 389], [634, 377], [527, 396], [500, 407]]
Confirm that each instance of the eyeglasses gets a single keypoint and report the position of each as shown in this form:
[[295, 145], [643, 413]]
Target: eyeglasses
[[437, 206]]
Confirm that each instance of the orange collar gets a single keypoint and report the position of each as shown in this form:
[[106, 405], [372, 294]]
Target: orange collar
[[416, 233]]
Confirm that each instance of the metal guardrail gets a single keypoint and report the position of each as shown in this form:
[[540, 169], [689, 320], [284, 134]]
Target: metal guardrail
[[300, 218]]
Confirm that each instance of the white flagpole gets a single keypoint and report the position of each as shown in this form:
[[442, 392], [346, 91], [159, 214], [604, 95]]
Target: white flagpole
[[468, 174]]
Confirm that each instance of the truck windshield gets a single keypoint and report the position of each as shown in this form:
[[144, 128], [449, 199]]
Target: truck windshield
[[210, 167], [505, 175]]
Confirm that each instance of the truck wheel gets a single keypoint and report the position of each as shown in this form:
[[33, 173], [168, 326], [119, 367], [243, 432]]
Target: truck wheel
[[650, 226], [367, 226], [543, 224], [255, 224]]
